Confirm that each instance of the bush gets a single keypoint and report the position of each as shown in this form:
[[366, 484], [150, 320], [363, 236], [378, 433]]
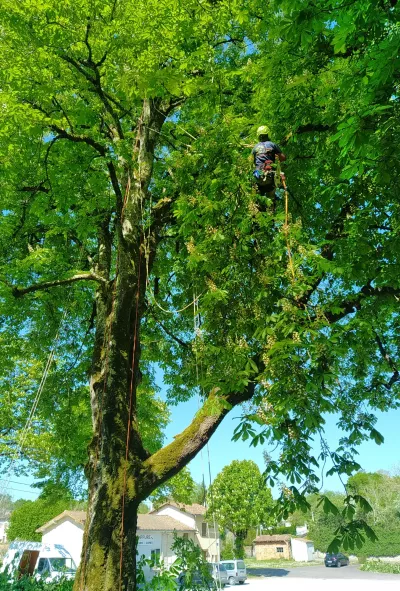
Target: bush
[[377, 566], [388, 543], [30, 584]]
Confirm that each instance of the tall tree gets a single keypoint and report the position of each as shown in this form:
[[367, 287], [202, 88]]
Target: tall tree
[[126, 195], [239, 500]]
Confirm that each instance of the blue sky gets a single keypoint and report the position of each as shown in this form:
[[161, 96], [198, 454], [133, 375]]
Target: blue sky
[[372, 457], [223, 451]]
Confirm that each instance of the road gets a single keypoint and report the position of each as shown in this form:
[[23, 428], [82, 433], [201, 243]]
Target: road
[[321, 572], [319, 578]]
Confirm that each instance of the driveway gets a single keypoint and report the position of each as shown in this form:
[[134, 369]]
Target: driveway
[[318, 578]]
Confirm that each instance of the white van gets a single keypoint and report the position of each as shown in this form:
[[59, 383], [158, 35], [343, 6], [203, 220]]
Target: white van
[[236, 571], [47, 562]]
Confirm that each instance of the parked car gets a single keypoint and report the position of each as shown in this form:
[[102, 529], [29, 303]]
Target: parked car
[[336, 560], [195, 580], [236, 571], [219, 573], [47, 562]]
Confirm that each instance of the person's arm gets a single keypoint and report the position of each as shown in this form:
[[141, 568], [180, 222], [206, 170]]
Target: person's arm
[[279, 153]]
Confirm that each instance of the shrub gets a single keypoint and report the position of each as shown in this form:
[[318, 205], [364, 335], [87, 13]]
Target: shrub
[[377, 566], [30, 584]]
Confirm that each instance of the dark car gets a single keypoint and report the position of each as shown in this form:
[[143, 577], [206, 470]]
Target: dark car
[[196, 581], [336, 560]]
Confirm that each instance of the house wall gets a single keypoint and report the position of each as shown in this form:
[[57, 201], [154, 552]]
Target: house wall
[[162, 541], [69, 534], [302, 550], [268, 550], [209, 543]]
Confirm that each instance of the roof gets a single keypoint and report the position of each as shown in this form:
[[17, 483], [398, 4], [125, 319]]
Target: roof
[[161, 522], [77, 516], [145, 522], [194, 509], [276, 538], [303, 540]]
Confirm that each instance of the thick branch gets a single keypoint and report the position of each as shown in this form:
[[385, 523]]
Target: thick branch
[[354, 304], [167, 462], [63, 134], [21, 291]]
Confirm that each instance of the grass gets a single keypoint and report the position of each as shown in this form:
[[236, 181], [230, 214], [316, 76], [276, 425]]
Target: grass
[[261, 564]]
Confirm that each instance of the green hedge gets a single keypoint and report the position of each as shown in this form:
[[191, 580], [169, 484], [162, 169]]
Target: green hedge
[[388, 543]]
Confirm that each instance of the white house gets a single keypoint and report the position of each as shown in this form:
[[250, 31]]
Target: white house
[[155, 532], [194, 516]]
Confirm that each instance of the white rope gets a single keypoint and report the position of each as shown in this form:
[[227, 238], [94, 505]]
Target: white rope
[[24, 434], [197, 334]]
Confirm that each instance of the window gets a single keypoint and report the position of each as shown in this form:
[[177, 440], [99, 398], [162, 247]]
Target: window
[[230, 566], [279, 549], [204, 529], [185, 536], [155, 555], [42, 565], [241, 564]]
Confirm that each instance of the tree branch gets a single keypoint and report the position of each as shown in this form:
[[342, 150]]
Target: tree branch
[[63, 134], [167, 462], [21, 291], [354, 304]]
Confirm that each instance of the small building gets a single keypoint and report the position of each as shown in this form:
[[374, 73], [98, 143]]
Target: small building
[[283, 546], [302, 549], [270, 547]]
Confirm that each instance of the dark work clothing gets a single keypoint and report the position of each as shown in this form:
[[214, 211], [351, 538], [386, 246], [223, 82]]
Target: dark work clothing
[[265, 152]]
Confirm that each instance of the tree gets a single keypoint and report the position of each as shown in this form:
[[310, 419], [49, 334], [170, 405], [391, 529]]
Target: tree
[[6, 505], [238, 500], [126, 192], [179, 488], [31, 515]]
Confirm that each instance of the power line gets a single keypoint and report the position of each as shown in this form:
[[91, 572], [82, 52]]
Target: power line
[[15, 482]]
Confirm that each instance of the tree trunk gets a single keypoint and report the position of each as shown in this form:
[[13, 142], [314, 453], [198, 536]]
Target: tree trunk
[[116, 453], [121, 473]]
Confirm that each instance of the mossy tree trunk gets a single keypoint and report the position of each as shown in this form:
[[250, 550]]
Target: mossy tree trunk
[[121, 473]]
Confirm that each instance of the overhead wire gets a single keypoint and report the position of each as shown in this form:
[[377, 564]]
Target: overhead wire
[[28, 424]]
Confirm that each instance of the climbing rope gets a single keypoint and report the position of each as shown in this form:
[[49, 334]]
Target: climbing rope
[[286, 228]]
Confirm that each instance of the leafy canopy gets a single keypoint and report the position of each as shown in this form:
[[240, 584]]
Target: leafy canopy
[[324, 77]]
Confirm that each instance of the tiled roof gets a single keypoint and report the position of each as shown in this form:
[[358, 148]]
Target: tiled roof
[[77, 516], [194, 509], [276, 538], [161, 523], [145, 522]]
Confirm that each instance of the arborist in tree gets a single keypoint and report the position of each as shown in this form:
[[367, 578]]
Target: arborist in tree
[[266, 155]]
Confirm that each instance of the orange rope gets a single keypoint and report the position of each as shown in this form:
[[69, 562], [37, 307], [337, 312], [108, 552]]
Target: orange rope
[[106, 342], [128, 433]]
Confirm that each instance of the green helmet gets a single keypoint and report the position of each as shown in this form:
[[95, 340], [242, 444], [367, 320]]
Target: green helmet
[[263, 130]]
